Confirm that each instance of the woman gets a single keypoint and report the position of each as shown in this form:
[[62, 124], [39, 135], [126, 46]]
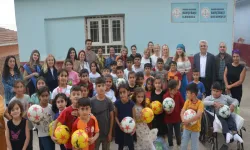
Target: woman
[[234, 76], [124, 53], [31, 71], [73, 56], [165, 56], [100, 59], [183, 66], [3, 145], [146, 57], [151, 47], [49, 72], [10, 74], [83, 61]]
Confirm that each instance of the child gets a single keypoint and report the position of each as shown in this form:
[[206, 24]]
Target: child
[[62, 87], [174, 74], [147, 72], [86, 122], [85, 90], [110, 88], [43, 126], [149, 87], [172, 119], [119, 62], [103, 109], [137, 66], [159, 69], [40, 82], [129, 67], [120, 72], [131, 82], [191, 130], [217, 100], [139, 79], [155, 55], [69, 115], [113, 66], [73, 78], [201, 88], [84, 79], [105, 71], [145, 137], [124, 108], [17, 130], [95, 73]]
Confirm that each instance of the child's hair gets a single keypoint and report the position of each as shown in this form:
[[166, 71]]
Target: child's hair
[[120, 68], [137, 91], [69, 51], [61, 71], [45, 64], [75, 88], [84, 71], [123, 85], [108, 76], [19, 81], [150, 79], [68, 61], [147, 65], [195, 70], [159, 60], [100, 80], [38, 79], [173, 62], [119, 58], [172, 84], [105, 68], [131, 73], [129, 59], [97, 69], [60, 95], [158, 78], [192, 88], [84, 85], [113, 63], [13, 103], [6, 68], [83, 102], [42, 90], [139, 75], [31, 61], [217, 86], [138, 56]]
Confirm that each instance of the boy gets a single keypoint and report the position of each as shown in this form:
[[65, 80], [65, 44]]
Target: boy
[[129, 67], [113, 71], [119, 72], [172, 119], [85, 90], [159, 69], [139, 79], [84, 79], [174, 74], [119, 62], [191, 130], [218, 100], [147, 72], [131, 82], [200, 85], [86, 122], [103, 110], [137, 66], [105, 71], [69, 115]]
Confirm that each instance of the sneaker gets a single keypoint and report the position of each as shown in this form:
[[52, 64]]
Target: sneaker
[[238, 138], [229, 136]]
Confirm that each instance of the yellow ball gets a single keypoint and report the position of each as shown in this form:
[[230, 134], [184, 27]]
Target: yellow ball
[[147, 101], [51, 125], [62, 134], [79, 139], [156, 107], [147, 115]]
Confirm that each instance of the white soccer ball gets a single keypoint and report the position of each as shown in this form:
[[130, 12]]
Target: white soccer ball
[[224, 111], [168, 104], [189, 114], [35, 113], [120, 81], [128, 124]]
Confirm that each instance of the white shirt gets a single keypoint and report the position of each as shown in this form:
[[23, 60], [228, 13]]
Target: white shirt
[[145, 61], [57, 90], [52, 70], [126, 71], [203, 63], [154, 60], [92, 77], [111, 95], [85, 65], [140, 69]]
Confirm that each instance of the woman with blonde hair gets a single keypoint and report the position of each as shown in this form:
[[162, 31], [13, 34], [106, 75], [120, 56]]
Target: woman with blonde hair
[[165, 56], [155, 55], [49, 72]]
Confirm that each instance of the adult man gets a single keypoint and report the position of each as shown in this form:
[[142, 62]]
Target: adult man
[[204, 62], [222, 59], [112, 57], [133, 51], [90, 55]]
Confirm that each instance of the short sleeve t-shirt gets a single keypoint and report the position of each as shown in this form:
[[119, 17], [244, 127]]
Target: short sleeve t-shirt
[[114, 77], [25, 101], [57, 90], [201, 89], [198, 106], [92, 77], [174, 75], [111, 95]]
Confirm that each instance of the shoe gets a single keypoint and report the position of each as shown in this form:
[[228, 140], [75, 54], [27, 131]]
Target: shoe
[[238, 138], [229, 136], [171, 147]]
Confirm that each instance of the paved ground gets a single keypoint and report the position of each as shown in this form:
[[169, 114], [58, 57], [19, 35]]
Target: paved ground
[[244, 112]]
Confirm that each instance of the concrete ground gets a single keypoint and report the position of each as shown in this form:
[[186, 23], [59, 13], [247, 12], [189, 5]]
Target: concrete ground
[[244, 112]]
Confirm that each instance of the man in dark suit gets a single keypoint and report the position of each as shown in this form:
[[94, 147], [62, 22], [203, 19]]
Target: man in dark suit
[[204, 62]]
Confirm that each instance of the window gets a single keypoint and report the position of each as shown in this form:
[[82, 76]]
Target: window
[[106, 31]]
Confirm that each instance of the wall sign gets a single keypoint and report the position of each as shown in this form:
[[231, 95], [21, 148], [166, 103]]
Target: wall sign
[[213, 12], [184, 12]]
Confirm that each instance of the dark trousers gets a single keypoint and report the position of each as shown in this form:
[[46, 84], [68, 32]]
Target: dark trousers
[[177, 131], [207, 84], [104, 142], [47, 143], [228, 124], [128, 141], [62, 147], [236, 93], [30, 145]]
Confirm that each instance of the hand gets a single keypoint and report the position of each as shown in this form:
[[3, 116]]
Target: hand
[[228, 87], [227, 91], [133, 131], [217, 105], [74, 113], [35, 74], [54, 139], [91, 141], [232, 108], [120, 127], [185, 122], [109, 137]]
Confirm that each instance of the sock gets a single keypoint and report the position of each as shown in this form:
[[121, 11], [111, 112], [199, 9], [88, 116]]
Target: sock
[[238, 138], [229, 136]]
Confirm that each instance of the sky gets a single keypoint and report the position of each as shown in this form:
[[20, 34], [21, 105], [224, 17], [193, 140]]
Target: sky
[[7, 14]]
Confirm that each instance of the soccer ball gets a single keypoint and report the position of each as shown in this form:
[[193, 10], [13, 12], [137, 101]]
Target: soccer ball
[[62, 134], [51, 125], [147, 115], [147, 102], [188, 114], [79, 139], [120, 81], [128, 124], [156, 107], [168, 104], [224, 111], [35, 113]]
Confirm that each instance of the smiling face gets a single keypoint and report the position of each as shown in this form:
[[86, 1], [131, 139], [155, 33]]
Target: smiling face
[[108, 83], [140, 97], [72, 54], [165, 51], [84, 78], [157, 84], [84, 111], [63, 78], [101, 88], [61, 103], [150, 46], [35, 56], [99, 52], [89, 45], [222, 48], [69, 66], [149, 85], [236, 58], [50, 61], [93, 68], [203, 47], [123, 94], [16, 111], [75, 96], [19, 88], [40, 84], [179, 51], [44, 98], [82, 56], [11, 63], [133, 50]]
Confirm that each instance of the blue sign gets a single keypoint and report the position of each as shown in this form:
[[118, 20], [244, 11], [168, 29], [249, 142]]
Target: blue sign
[[184, 12], [213, 12]]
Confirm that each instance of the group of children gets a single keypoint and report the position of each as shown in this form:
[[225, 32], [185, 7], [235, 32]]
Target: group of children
[[96, 104]]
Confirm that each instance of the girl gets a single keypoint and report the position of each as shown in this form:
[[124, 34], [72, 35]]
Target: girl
[[124, 108], [62, 87], [151, 47], [31, 71], [49, 72], [43, 126], [73, 78], [40, 82], [83, 62], [17, 131], [10, 74], [155, 55], [110, 88], [95, 73], [145, 137], [149, 88], [73, 57]]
